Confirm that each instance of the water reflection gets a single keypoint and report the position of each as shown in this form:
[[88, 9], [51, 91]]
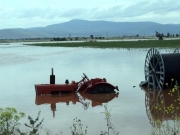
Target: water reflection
[[117, 65], [80, 97], [154, 99], [162, 106]]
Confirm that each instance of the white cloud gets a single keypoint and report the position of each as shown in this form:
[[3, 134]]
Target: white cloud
[[34, 13]]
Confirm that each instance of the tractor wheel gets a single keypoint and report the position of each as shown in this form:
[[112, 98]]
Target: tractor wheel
[[102, 88]]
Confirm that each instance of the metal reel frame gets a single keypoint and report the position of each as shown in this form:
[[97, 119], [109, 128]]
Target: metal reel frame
[[154, 69]]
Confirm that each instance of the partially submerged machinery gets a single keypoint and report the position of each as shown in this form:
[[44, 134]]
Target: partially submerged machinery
[[160, 69], [93, 86], [160, 36]]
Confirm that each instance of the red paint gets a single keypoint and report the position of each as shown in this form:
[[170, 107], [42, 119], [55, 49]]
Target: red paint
[[84, 85]]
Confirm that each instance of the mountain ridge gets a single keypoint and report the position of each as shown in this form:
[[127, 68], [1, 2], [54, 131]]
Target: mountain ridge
[[85, 28]]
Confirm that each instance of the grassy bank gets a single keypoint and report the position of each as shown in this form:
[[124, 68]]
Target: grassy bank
[[117, 44]]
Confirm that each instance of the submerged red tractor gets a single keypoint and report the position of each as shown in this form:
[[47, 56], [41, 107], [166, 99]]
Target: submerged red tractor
[[86, 85]]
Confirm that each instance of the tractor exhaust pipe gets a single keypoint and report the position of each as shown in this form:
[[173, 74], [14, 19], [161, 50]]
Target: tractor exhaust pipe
[[52, 77]]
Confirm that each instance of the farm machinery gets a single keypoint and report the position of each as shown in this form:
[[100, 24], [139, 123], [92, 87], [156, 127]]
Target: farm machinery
[[85, 85]]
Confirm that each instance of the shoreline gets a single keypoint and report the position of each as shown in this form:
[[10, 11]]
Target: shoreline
[[86, 40], [113, 44]]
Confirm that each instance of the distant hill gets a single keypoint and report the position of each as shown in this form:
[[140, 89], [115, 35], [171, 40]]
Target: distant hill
[[79, 28]]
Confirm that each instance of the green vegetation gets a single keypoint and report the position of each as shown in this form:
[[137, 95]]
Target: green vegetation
[[170, 126], [110, 125], [9, 118], [117, 44], [32, 125], [77, 128]]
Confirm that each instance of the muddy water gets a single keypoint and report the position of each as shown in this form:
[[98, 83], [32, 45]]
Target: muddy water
[[23, 66]]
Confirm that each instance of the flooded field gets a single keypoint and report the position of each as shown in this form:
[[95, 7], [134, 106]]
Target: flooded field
[[21, 67]]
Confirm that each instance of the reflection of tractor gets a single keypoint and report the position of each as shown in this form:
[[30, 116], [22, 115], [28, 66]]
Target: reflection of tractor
[[97, 99], [86, 85]]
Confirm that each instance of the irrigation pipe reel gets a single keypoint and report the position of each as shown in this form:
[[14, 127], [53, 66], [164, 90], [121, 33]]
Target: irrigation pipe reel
[[160, 68]]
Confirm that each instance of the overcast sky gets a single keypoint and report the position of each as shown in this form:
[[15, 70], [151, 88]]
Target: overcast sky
[[40, 13]]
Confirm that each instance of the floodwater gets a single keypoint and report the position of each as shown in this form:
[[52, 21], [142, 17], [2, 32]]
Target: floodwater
[[23, 66]]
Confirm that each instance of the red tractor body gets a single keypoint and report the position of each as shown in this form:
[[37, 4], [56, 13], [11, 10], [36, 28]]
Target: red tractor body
[[93, 86]]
